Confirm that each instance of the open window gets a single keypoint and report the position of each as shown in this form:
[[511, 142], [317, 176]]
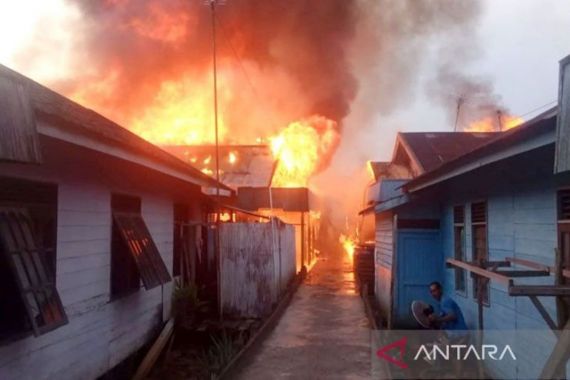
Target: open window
[[29, 301], [459, 247], [134, 255], [480, 251]]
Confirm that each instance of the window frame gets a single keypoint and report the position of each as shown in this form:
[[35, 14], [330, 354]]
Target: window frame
[[562, 228], [474, 226], [138, 248], [459, 250]]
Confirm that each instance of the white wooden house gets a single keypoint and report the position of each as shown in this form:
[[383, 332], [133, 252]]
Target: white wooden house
[[87, 213]]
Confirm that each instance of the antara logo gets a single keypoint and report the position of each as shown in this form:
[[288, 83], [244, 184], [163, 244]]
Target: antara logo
[[445, 352]]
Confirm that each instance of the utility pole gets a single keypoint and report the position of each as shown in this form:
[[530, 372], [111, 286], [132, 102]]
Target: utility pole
[[217, 247], [460, 101]]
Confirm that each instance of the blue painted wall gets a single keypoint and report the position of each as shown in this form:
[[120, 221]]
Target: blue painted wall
[[522, 222]]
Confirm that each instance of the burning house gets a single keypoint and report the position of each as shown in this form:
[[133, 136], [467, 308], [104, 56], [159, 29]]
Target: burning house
[[87, 214], [251, 172]]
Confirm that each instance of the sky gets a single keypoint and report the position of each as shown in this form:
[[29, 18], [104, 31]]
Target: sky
[[521, 43]]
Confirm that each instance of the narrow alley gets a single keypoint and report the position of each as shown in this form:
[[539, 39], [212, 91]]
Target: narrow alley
[[324, 333]]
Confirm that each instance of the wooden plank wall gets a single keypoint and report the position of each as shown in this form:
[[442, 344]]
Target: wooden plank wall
[[250, 266], [562, 161], [101, 332], [522, 224], [384, 252]]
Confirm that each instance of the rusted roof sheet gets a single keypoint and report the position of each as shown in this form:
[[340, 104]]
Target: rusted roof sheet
[[64, 113], [432, 149], [240, 165], [288, 199]]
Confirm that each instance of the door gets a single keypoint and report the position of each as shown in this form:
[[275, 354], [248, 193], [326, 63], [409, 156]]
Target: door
[[419, 262]]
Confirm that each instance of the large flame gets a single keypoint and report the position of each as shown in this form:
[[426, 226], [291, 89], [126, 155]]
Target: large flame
[[492, 124], [302, 149]]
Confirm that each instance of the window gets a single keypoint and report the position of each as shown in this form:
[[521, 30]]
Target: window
[[28, 230], [459, 247], [480, 252], [564, 227], [134, 255]]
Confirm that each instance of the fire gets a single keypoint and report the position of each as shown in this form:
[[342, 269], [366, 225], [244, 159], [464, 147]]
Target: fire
[[301, 150], [491, 124], [232, 158], [348, 244], [181, 113]]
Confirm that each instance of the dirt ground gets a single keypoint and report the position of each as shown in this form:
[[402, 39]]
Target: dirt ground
[[323, 334]]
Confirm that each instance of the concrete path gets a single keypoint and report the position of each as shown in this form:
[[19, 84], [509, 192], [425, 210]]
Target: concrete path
[[323, 334]]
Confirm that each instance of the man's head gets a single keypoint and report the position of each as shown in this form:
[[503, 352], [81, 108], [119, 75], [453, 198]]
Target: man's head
[[435, 290]]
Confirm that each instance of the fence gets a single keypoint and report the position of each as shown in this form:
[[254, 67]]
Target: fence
[[258, 261]]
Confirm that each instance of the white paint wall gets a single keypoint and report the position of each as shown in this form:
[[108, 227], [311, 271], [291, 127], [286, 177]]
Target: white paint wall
[[100, 333]]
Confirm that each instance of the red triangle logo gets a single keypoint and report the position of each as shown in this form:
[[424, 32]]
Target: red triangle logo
[[382, 353]]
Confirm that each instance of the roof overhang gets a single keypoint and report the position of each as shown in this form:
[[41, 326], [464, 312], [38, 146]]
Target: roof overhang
[[95, 143]]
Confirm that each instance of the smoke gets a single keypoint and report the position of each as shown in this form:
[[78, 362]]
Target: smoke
[[278, 60], [356, 62]]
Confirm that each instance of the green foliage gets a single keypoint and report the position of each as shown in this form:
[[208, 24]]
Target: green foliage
[[220, 352], [187, 303]]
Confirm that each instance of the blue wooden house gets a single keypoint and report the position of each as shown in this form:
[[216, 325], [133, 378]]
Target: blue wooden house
[[492, 224]]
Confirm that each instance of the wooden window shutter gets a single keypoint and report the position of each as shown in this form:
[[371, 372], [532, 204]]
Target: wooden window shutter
[[37, 286], [136, 236], [479, 212]]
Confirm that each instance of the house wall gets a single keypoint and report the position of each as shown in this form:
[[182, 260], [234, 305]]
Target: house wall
[[100, 333], [384, 263], [521, 223]]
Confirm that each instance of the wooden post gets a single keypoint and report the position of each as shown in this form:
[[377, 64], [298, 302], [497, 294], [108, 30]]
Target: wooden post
[[303, 256]]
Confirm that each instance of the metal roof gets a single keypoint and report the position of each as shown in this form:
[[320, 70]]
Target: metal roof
[[285, 198], [253, 165], [432, 149]]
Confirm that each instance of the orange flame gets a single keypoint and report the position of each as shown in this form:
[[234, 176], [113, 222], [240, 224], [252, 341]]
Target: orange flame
[[348, 244], [300, 150], [491, 124]]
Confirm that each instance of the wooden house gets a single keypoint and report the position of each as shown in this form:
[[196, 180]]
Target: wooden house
[[490, 224], [88, 245]]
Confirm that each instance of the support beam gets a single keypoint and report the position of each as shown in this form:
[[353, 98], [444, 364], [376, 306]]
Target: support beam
[[544, 313], [481, 272], [540, 290], [553, 369], [524, 273]]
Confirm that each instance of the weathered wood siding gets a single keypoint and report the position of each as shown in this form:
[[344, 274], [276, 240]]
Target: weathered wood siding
[[258, 260], [384, 253], [562, 160], [19, 139], [521, 223], [101, 333]]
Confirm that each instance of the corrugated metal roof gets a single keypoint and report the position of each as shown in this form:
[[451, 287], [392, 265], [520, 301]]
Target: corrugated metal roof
[[253, 165], [432, 149], [64, 113]]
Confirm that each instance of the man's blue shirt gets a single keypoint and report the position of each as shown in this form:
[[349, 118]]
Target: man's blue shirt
[[449, 306]]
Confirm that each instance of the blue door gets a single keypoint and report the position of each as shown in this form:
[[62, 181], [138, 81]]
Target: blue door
[[419, 262]]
